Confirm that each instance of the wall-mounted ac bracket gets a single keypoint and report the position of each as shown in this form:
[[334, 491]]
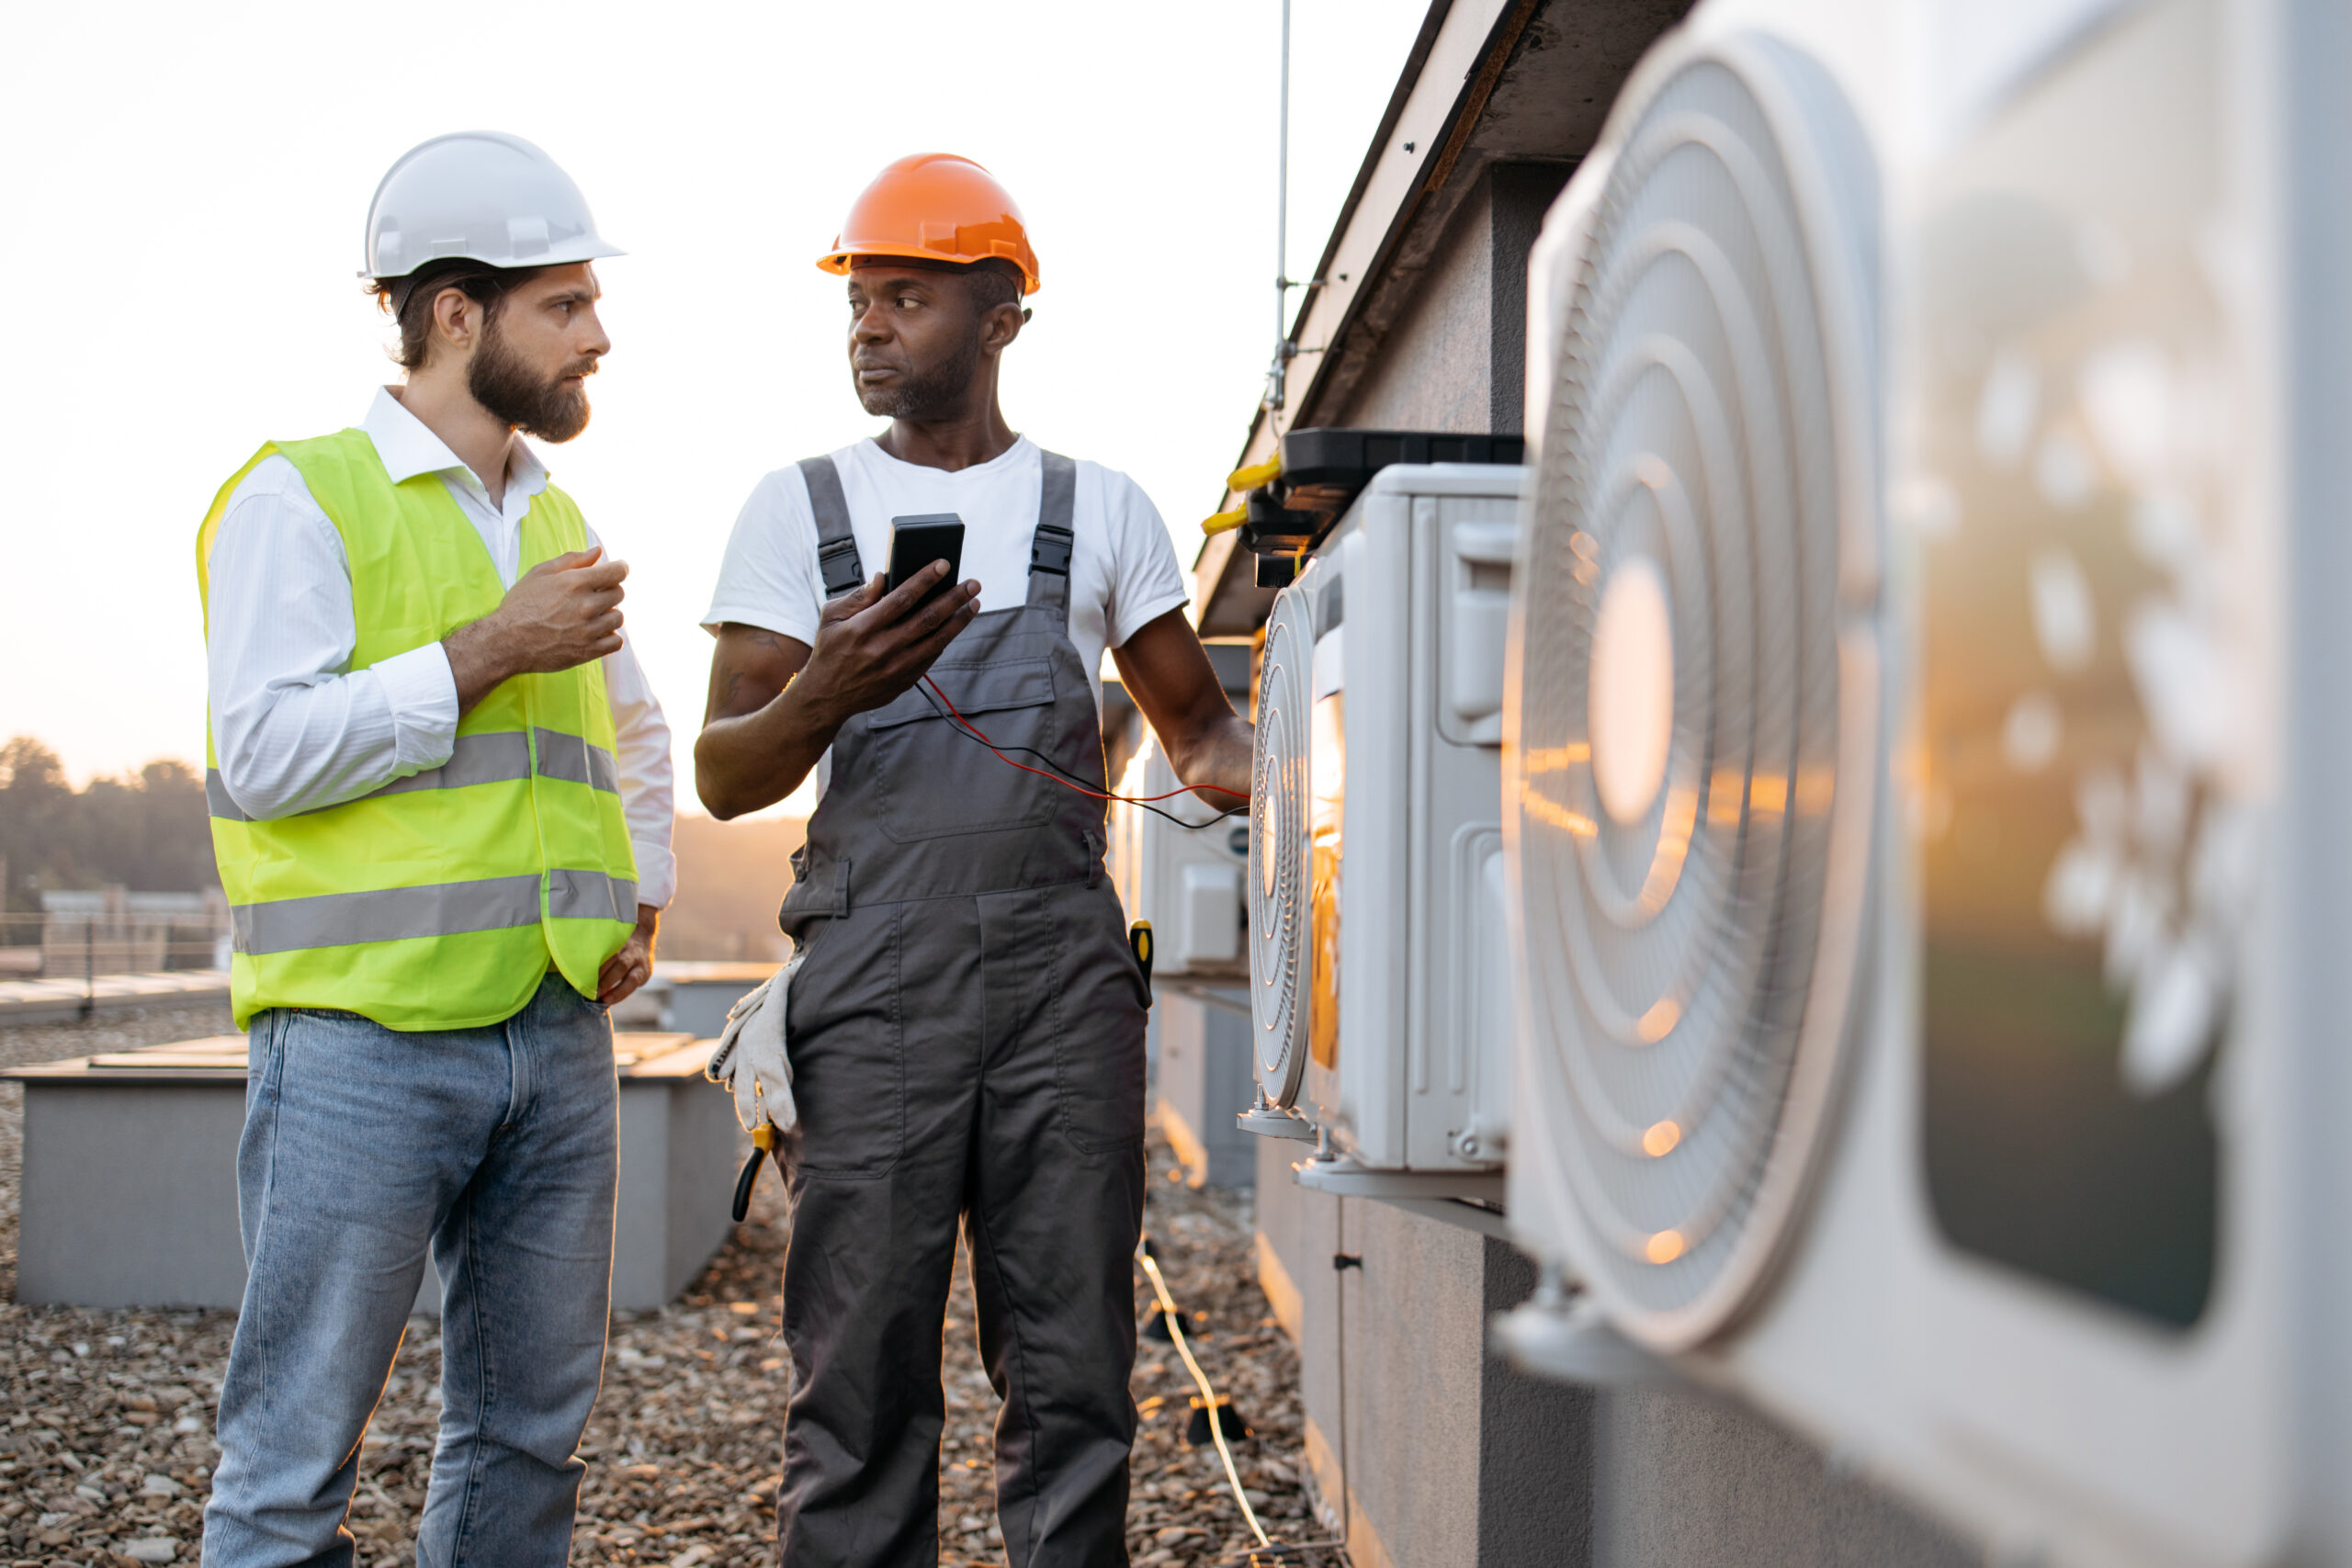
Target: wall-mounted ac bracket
[[1274, 529], [1455, 1212], [1343, 1177], [1274, 1122], [1212, 992], [1277, 571], [1562, 1334]]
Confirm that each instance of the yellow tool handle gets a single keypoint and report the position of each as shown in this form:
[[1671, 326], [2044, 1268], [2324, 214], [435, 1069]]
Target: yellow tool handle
[[1224, 522], [1139, 943], [764, 1138]]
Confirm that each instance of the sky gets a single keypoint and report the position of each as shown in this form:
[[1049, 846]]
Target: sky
[[186, 188]]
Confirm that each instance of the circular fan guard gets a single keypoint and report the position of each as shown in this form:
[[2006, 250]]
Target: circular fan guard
[[1281, 931], [1687, 973]]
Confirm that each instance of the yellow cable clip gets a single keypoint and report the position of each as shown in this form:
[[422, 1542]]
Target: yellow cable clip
[[1249, 478], [1241, 482]]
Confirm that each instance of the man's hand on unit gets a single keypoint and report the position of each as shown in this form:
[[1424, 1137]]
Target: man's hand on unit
[[625, 971], [871, 645], [561, 613], [1168, 673]]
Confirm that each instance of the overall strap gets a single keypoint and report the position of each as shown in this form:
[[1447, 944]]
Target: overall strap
[[837, 557], [1049, 549]]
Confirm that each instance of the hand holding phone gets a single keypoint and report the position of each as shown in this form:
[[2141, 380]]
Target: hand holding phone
[[916, 542], [877, 640]]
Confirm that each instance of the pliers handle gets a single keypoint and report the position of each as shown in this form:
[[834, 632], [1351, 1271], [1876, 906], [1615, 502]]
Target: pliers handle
[[764, 1139]]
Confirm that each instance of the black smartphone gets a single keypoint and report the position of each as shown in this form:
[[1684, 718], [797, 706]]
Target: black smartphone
[[916, 542]]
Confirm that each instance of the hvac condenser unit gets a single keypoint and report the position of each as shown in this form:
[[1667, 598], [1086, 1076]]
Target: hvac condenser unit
[[1378, 971], [1929, 872], [1185, 881]]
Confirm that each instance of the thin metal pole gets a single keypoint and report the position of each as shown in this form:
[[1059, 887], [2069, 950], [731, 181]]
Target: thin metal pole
[[1277, 374], [1282, 198]]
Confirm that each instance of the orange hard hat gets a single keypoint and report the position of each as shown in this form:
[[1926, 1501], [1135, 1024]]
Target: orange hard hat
[[935, 207]]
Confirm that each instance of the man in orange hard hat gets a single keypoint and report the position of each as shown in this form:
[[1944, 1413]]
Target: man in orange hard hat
[[966, 1018]]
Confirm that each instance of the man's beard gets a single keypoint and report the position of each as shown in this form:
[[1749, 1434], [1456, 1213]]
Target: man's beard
[[553, 410], [923, 395]]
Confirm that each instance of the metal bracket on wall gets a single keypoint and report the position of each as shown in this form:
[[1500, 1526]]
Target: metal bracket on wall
[[1346, 1178], [1455, 1211], [1273, 1121], [1562, 1334], [1216, 994]]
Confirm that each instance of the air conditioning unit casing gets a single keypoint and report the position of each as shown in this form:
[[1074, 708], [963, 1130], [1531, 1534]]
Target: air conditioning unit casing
[[1186, 882], [1390, 648], [2041, 1061]]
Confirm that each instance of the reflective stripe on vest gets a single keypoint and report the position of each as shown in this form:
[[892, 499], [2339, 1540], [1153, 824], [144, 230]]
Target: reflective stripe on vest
[[477, 758], [440, 900], [448, 909]]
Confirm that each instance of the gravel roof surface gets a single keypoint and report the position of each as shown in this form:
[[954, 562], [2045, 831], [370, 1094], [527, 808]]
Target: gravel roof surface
[[106, 1418]]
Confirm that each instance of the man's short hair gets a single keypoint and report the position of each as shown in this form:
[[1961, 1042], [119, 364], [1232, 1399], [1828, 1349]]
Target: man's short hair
[[409, 300], [995, 281]]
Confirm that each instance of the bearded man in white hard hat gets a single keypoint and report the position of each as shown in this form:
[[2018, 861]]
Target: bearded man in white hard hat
[[441, 802]]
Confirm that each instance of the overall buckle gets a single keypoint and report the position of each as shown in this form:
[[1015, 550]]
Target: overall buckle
[[1050, 549], [837, 561]]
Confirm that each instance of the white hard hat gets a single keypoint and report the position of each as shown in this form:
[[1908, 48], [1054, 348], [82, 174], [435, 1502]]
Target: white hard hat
[[481, 195]]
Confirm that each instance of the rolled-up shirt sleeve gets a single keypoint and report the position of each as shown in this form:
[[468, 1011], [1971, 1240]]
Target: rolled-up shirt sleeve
[[293, 727], [641, 737], [649, 789]]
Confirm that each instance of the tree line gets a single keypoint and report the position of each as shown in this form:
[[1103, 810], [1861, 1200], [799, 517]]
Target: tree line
[[146, 831]]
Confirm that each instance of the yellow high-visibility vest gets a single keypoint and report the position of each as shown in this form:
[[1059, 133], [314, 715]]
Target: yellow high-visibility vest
[[438, 901]]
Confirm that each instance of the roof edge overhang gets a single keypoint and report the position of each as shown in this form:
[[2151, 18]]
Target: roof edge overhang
[[1455, 62]]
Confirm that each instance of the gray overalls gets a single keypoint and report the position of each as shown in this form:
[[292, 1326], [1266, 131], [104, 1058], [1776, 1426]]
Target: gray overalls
[[967, 1044]]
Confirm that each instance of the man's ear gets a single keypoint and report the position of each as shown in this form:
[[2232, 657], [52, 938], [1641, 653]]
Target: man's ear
[[456, 317], [1004, 323]]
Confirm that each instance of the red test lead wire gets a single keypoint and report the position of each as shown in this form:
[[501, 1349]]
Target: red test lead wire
[[968, 728]]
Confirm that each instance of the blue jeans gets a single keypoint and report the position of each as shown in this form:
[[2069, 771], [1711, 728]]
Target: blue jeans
[[362, 1146]]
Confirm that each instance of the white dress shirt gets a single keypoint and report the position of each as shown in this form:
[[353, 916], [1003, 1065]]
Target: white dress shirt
[[295, 727]]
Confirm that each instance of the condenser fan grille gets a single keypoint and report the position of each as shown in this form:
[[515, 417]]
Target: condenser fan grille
[[1677, 834], [1280, 927]]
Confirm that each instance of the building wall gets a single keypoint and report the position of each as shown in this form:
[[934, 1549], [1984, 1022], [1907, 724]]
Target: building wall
[[1538, 1445], [1432, 1452], [1202, 1076], [1518, 196], [1429, 1451], [1457, 357], [1685, 1479], [1436, 366]]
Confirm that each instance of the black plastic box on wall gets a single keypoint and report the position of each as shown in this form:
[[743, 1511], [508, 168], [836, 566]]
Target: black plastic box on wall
[[1324, 469]]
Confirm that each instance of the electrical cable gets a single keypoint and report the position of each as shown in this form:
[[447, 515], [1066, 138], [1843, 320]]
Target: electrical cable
[[1063, 777], [1265, 1548], [1070, 781], [1208, 1394], [1067, 780]]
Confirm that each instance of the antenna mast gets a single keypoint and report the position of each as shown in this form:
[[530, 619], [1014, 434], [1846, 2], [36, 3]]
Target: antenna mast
[[1278, 373]]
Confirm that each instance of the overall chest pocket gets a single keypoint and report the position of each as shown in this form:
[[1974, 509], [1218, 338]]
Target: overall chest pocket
[[933, 781]]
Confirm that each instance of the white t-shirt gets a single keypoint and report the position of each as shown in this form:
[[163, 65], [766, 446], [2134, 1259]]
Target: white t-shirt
[[1123, 572]]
